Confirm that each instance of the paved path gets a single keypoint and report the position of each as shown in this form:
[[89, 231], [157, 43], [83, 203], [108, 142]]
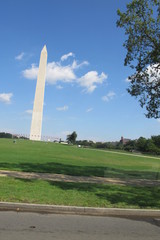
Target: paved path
[[79, 179], [121, 153], [24, 226]]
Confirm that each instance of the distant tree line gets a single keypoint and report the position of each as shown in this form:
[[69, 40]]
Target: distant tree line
[[151, 145], [5, 135], [142, 144], [86, 143], [9, 135]]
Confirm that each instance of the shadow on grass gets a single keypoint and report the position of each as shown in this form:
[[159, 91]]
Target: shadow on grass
[[142, 197], [108, 195], [25, 180], [73, 170]]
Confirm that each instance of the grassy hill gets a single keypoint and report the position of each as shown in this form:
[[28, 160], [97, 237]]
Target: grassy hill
[[44, 157], [32, 156]]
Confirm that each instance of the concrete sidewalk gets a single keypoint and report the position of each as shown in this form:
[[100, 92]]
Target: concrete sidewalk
[[56, 209]]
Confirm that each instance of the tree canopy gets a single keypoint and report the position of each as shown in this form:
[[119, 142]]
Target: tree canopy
[[141, 23], [72, 137]]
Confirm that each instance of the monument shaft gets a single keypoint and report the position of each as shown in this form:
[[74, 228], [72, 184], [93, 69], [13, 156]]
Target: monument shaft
[[36, 125]]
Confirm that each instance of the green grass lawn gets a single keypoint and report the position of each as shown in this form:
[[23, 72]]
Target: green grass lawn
[[44, 157], [63, 159], [78, 194]]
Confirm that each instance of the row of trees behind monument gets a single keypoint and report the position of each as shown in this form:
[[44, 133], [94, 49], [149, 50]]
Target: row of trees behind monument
[[143, 145]]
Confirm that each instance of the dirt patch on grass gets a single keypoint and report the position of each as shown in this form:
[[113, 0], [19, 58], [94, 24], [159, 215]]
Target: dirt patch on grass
[[79, 179]]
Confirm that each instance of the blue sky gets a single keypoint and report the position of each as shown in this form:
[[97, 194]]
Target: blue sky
[[86, 79]]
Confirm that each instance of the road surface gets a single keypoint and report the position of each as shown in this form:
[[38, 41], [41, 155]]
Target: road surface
[[32, 226]]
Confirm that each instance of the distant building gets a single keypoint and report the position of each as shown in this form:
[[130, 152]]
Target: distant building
[[63, 142], [124, 140]]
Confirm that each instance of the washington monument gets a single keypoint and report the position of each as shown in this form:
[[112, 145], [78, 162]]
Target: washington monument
[[36, 125]]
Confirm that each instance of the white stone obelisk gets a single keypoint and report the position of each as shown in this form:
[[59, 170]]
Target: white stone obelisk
[[36, 125]]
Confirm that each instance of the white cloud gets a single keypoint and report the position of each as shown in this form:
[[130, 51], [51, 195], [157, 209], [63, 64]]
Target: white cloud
[[90, 80], [65, 108], [154, 72], [31, 73], [29, 111], [64, 57], [109, 96], [59, 87], [56, 72], [127, 80], [75, 65], [20, 56], [89, 110], [6, 97]]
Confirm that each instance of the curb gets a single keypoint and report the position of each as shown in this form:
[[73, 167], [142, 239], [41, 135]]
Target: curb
[[56, 209]]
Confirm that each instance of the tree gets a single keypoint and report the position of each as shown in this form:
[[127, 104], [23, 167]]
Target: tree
[[156, 140], [141, 144], [5, 135], [72, 137], [141, 23], [151, 147], [130, 146]]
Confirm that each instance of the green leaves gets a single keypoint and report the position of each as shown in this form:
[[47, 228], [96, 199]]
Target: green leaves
[[141, 23], [72, 137]]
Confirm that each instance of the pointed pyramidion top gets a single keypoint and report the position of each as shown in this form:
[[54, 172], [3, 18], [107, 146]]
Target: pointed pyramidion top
[[44, 49]]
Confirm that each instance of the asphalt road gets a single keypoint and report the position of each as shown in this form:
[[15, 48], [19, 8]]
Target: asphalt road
[[32, 226]]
